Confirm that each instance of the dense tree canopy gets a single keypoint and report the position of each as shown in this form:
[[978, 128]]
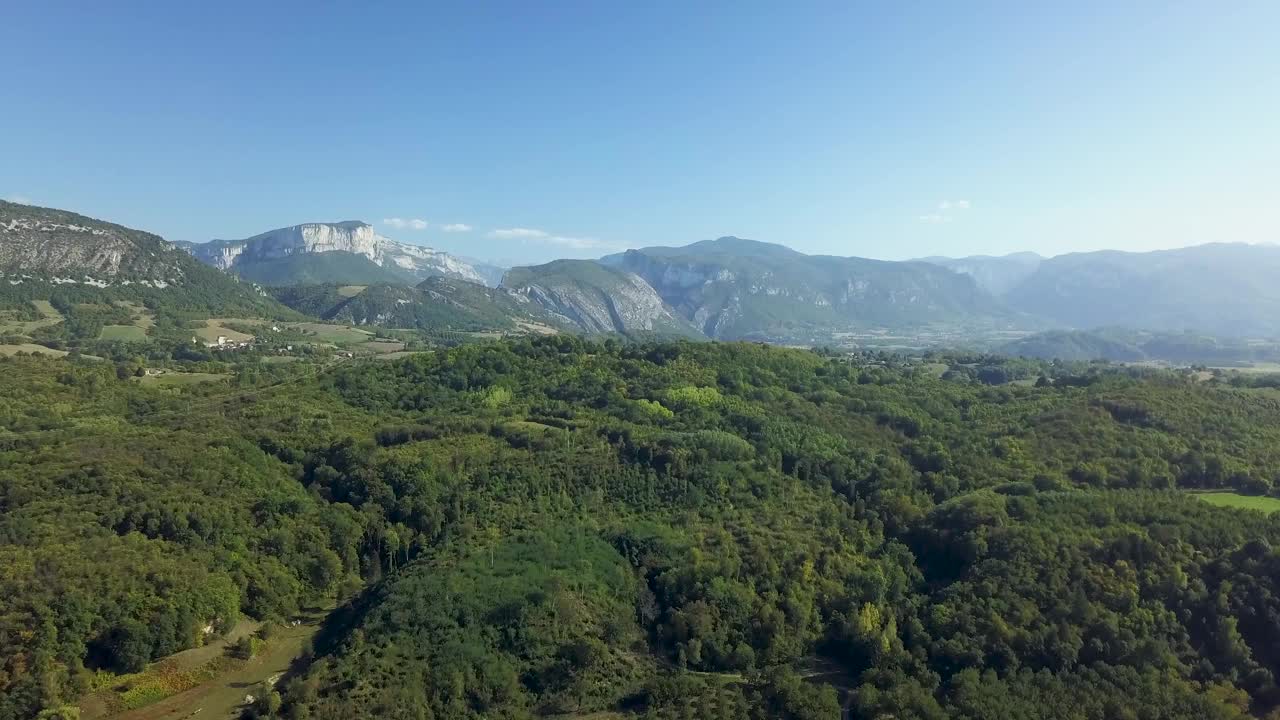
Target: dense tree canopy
[[557, 527]]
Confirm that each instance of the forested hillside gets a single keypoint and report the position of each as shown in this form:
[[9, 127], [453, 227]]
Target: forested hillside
[[59, 256], [558, 527]]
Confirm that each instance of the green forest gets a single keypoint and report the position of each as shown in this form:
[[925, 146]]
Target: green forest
[[559, 527]]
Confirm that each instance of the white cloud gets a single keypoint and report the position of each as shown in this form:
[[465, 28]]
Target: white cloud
[[521, 233], [935, 218], [20, 199], [457, 227], [544, 237], [953, 205], [405, 223]]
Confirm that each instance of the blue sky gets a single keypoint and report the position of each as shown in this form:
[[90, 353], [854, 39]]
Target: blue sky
[[887, 130]]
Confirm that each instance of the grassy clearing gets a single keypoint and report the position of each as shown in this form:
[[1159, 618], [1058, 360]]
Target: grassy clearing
[[49, 315], [935, 369], [1248, 502], [46, 308], [127, 333], [377, 346], [214, 327], [351, 290], [220, 694], [400, 354], [336, 334], [110, 694], [323, 332], [142, 317], [175, 379], [30, 348], [536, 328]]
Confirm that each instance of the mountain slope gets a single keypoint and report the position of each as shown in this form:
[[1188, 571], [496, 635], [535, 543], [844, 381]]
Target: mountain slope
[[338, 266], [733, 288], [595, 298], [409, 263], [45, 251], [1226, 289], [995, 274]]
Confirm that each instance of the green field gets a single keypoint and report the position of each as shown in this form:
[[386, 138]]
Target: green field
[[377, 346], [337, 334], [214, 327], [351, 290], [128, 333], [399, 354], [1248, 502], [142, 317], [48, 316], [30, 348], [182, 378]]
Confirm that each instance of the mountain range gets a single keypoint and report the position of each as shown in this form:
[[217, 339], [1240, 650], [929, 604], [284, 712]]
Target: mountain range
[[1229, 289], [729, 288], [733, 288], [321, 252]]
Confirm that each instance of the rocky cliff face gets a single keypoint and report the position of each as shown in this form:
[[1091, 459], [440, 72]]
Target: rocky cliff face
[[412, 261], [68, 248], [594, 298]]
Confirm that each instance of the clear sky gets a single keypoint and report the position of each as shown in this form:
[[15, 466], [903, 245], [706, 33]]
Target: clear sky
[[886, 129]]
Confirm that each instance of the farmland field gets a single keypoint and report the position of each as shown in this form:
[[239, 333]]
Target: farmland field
[[182, 378], [142, 317], [129, 333], [333, 333], [1235, 500], [382, 346], [30, 348], [214, 327], [48, 316]]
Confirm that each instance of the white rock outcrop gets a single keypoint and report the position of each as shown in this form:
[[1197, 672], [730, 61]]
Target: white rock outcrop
[[353, 237]]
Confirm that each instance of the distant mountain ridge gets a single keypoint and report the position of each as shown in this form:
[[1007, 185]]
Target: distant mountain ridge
[[1226, 289], [595, 298], [997, 274], [729, 288], [402, 261], [732, 288]]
